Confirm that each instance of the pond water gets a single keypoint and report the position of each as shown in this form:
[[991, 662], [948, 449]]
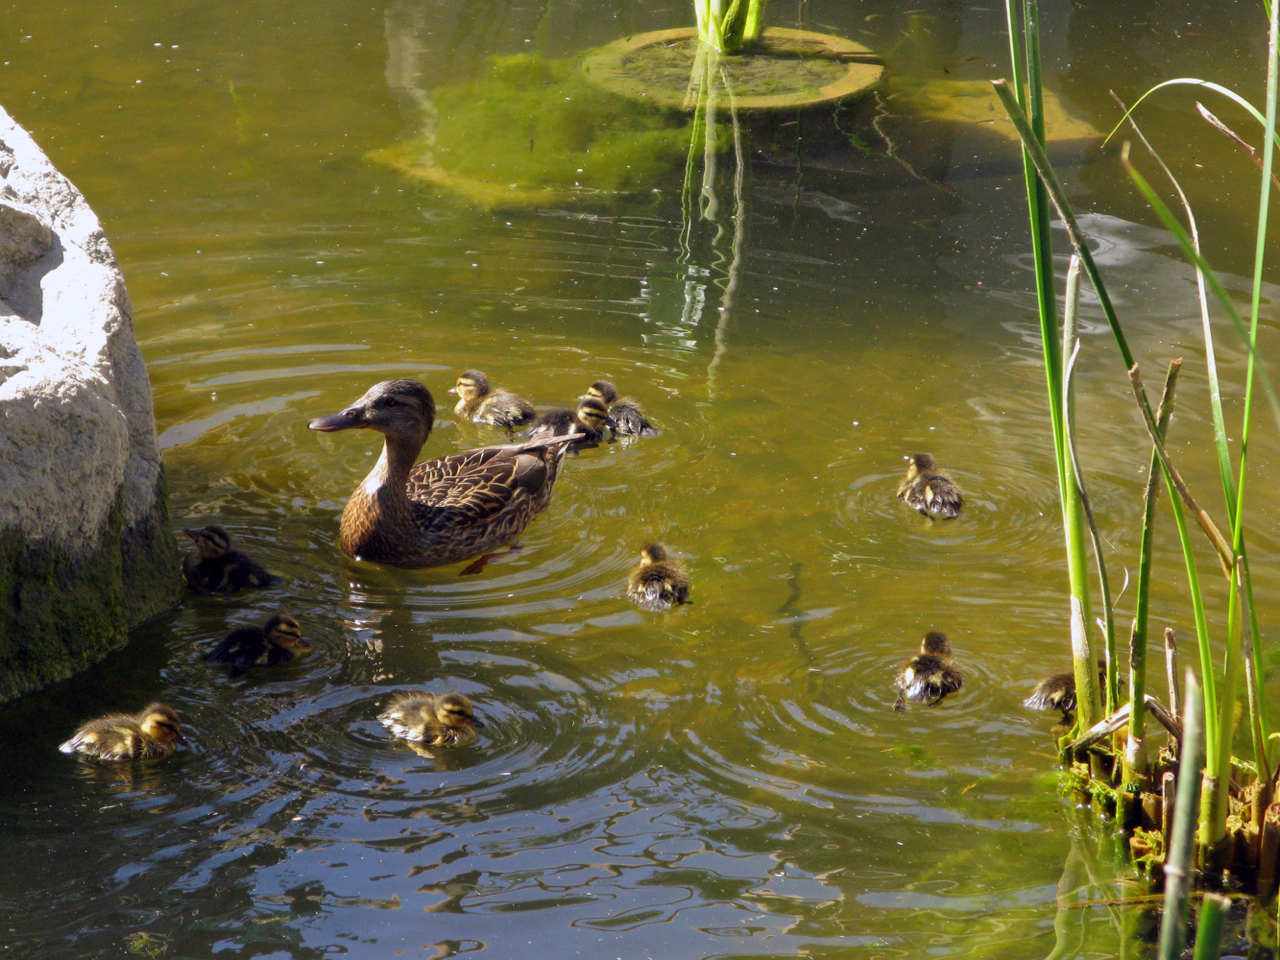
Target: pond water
[[725, 780]]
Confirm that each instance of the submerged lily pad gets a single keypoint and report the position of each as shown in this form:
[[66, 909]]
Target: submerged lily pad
[[975, 101], [533, 131]]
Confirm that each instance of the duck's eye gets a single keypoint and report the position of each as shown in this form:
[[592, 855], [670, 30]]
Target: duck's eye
[[391, 402]]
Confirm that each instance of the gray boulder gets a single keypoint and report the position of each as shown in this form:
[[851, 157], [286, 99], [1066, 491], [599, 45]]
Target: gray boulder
[[86, 550]]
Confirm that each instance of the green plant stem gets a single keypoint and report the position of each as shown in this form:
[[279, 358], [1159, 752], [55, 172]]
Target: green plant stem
[[1209, 927], [1177, 865], [1135, 757]]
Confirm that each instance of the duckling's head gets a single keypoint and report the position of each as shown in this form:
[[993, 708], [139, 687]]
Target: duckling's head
[[652, 553], [454, 711], [212, 542], [603, 391], [918, 463], [935, 643], [402, 409], [594, 414], [283, 631], [159, 721], [471, 386]]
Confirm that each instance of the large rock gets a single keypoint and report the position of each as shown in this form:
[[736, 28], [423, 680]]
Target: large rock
[[85, 546]]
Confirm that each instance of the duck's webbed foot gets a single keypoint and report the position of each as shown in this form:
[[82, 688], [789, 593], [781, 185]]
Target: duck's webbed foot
[[477, 565]]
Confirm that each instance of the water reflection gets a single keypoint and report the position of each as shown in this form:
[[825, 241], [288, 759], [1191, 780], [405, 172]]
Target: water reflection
[[725, 779]]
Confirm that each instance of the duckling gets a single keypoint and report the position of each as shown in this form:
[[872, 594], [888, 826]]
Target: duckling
[[929, 490], [626, 411], [930, 675], [480, 404], [215, 568], [152, 734], [430, 719], [279, 640], [1056, 692], [657, 582], [443, 510], [590, 420]]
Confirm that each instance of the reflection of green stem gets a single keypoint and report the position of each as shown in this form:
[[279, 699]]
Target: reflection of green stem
[[242, 116]]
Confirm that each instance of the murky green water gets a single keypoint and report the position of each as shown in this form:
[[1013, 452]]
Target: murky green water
[[726, 780]]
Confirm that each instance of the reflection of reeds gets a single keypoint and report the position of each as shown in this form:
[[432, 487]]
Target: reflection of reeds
[[1022, 100]]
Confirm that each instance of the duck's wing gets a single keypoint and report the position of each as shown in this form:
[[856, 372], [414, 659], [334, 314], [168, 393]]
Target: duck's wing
[[482, 483]]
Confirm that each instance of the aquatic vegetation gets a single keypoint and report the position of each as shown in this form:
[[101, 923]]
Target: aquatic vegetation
[[532, 130], [1229, 845]]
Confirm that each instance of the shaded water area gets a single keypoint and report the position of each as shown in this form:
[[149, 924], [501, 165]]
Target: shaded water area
[[724, 780]]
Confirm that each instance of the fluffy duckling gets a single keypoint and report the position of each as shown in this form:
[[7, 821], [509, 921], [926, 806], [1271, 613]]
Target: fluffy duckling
[[430, 719], [930, 675], [279, 640], [590, 419], [479, 403], [1056, 692], [152, 734], [929, 490], [625, 410], [213, 567], [657, 582]]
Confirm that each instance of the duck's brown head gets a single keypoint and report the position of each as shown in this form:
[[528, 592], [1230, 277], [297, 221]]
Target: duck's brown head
[[603, 391], [594, 414], [283, 631], [160, 721], [935, 643], [471, 386], [212, 541], [454, 710], [652, 553], [400, 409]]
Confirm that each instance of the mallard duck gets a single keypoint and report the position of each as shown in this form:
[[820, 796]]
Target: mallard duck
[[657, 582], [279, 640], [153, 733], [443, 510], [480, 404], [929, 490], [430, 719], [213, 567], [625, 410], [590, 421], [930, 675]]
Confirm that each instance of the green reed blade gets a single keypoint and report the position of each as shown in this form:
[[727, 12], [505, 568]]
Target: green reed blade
[[1181, 846]]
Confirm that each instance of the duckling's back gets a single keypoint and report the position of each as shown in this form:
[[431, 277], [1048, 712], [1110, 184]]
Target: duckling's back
[[658, 586], [116, 736]]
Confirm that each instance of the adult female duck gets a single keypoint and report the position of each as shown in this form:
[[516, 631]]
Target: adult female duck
[[444, 510]]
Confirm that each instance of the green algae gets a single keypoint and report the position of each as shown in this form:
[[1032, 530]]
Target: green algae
[[532, 130]]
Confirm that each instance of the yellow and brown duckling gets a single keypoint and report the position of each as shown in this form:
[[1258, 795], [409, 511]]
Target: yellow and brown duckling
[[429, 719], [658, 582], [213, 567], [929, 490], [153, 733], [279, 640], [444, 510], [626, 412], [928, 676], [1056, 692], [590, 421], [480, 403]]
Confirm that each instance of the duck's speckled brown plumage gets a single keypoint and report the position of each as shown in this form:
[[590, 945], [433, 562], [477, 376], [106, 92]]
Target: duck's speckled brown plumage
[[480, 403], [443, 510], [153, 733], [929, 490], [625, 411], [930, 675], [657, 582]]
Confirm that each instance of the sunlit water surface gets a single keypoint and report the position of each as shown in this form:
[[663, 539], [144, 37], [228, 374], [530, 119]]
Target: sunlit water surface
[[724, 780]]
